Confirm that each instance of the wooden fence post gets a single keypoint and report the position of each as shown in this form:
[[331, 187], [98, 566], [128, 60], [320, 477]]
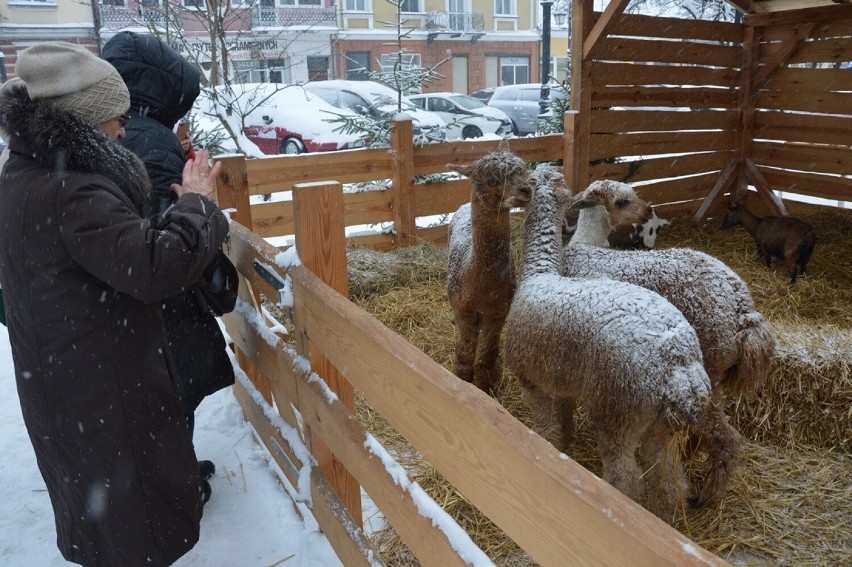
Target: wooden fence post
[[569, 141], [232, 189], [321, 245], [232, 193], [402, 150]]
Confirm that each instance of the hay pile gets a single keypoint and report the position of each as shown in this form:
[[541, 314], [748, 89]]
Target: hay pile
[[789, 502]]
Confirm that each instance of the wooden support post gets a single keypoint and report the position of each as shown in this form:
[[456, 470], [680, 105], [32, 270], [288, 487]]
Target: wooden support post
[[232, 193], [232, 190], [764, 190], [321, 245], [581, 92], [569, 140], [402, 149], [726, 178], [745, 103]]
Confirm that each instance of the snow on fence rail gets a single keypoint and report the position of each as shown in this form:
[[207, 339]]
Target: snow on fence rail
[[552, 507]]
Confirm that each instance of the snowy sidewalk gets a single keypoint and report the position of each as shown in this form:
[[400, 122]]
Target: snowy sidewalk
[[250, 520]]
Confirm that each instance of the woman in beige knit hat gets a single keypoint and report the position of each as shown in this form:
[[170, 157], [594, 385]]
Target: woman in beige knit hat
[[84, 275]]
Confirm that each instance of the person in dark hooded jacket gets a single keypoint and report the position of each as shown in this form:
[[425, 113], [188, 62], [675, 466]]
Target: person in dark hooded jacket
[[84, 276], [163, 87]]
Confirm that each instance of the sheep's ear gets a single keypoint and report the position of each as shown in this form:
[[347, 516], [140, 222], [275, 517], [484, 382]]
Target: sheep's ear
[[465, 170], [584, 201]]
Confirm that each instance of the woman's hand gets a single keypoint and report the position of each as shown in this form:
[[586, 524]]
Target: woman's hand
[[198, 177]]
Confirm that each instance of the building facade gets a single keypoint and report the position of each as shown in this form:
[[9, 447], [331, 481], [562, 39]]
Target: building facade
[[473, 44]]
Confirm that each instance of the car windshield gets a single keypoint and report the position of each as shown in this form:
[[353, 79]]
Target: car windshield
[[467, 102]]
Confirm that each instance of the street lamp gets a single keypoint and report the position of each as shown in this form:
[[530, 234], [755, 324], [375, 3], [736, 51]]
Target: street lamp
[[563, 21], [543, 102]]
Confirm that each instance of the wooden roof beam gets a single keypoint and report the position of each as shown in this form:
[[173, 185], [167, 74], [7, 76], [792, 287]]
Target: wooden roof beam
[[804, 15], [746, 6], [607, 20]]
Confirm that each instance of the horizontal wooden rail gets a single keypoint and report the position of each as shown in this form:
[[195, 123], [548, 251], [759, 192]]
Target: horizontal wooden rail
[[516, 478]]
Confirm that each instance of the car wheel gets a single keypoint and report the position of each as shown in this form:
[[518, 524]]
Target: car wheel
[[292, 146], [471, 132], [515, 130]]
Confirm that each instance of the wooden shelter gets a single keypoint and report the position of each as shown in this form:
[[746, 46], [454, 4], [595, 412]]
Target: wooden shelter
[[766, 103], [687, 111]]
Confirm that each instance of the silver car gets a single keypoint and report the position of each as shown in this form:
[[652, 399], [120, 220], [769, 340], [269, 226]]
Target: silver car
[[466, 117], [521, 104]]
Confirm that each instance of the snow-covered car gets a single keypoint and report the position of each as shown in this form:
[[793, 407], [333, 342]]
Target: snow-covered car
[[283, 119], [466, 117], [521, 104], [376, 100]]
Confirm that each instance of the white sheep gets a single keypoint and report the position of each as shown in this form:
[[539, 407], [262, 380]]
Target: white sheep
[[480, 271], [625, 352], [737, 343]]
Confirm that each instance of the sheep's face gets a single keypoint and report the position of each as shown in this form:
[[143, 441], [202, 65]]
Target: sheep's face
[[732, 216], [619, 200], [500, 178], [552, 178]]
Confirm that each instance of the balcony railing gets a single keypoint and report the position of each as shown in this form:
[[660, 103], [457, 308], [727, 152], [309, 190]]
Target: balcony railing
[[293, 16], [461, 22], [119, 17]]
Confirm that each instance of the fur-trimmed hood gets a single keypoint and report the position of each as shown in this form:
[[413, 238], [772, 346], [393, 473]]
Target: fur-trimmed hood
[[65, 142]]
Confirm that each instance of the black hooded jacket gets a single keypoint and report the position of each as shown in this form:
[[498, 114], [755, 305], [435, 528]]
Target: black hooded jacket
[[163, 87]]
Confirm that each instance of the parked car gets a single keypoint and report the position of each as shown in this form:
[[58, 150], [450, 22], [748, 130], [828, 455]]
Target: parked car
[[375, 99], [466, 117], [284, 119], [484, 95], [521, 104]]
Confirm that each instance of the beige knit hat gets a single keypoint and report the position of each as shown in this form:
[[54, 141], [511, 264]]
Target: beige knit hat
[[73, 78]]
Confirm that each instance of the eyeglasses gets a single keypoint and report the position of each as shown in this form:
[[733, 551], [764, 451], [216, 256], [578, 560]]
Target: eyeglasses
[[123, 119]]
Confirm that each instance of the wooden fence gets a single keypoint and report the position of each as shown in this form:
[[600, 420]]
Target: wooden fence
[[553, 508]]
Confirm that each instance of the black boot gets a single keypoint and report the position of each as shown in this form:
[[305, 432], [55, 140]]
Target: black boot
[[206, 469]]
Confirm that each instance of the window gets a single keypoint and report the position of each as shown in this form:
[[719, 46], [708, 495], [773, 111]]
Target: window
[[300, 2], [514, 70], [358, 65], [357, 6], [409, 62], [504, 8], [409, 5], [194, 4], [440, 105], [117, 3], [317, 67], [257, 71]]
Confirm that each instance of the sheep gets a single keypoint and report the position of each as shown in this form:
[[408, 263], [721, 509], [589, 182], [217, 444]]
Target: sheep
[[624, 351], [638, 233], [737, 343], [480, 272], [787, 238]]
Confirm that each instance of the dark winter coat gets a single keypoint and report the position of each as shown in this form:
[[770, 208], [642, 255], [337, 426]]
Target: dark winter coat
[[83, 275], [163, 87]]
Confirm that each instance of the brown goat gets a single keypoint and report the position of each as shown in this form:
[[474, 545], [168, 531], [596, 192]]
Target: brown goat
[[787, 238], [480, 272]]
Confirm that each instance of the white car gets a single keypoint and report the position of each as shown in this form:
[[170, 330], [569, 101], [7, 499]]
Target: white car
[[466, 117], [376, 100]]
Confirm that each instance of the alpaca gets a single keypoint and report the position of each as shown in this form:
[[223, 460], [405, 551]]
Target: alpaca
[[737, 343], [624, 351], [480, 273]]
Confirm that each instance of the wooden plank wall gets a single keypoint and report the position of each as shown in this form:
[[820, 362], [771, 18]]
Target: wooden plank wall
[[664, 86], [803, 108]]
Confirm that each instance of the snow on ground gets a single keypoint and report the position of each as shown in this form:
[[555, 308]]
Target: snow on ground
[[250, 520]]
